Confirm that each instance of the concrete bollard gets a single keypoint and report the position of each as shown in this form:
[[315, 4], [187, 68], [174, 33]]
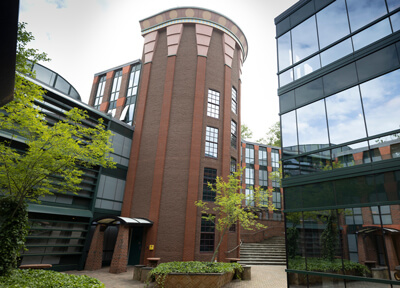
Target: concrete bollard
[[144, 273], [137, 272], [246, 273]]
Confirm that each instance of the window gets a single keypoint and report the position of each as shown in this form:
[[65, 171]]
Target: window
[[263, 178], [207, 236], [213, 104], [115, 92], [100, 92], [234, 101], [353, 216], [275, 166], [249, 154], [249, 197], [127, 114], [249, 172], [395, 150], [210, 176], [375, 154], [233, 165], [211, 142], [233, 134], [385, 214], [262, 156]]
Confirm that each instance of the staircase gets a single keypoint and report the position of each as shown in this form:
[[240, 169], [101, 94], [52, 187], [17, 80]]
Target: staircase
[[269, 252]]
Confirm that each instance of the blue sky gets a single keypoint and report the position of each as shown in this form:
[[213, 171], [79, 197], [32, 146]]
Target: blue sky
[[83, 37]]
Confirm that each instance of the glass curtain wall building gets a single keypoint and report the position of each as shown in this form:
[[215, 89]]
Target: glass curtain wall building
[[339, 92]]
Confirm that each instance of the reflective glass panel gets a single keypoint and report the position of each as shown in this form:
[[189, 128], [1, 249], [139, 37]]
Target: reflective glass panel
[[308, 92], [289, 134], [285, 77], [372, 34], [381, 100], [304, 39], [307, 67], [395, 19], [284, 51], [336, 52], [362, 12], [339, 79], [385, 145], [332, 23], [355, 190], [62, 85], [312, 127], [291, 167], [347, 156], [315, 163], [345, 116], [286, 101], [393, 4]]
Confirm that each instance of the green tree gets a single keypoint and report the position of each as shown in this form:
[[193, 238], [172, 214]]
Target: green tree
[[38, 158], [228, 209], [273, 136], [245, 132]]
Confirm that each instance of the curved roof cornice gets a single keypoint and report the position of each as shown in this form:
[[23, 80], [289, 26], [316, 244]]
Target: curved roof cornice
[[195, 15]]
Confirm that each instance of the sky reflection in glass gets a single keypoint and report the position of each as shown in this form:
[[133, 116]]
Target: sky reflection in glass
[[304, 39], [372, 34], [289, 135], [362, 12]]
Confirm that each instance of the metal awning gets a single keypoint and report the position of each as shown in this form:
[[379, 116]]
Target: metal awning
[[116, 220], [370, 229]]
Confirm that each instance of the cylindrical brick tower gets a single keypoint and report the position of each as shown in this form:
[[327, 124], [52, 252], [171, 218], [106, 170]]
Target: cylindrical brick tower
[[187, 122]]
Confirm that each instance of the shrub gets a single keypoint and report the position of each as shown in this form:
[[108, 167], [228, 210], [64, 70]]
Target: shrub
[[191, 267], [12, 233], [47, 279]]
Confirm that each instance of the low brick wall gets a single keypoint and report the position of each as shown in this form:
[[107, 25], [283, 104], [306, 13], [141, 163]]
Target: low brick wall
[[198, 280], [274, 228]]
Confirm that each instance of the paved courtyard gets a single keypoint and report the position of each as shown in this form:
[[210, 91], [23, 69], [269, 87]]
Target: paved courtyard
[[261, 277]]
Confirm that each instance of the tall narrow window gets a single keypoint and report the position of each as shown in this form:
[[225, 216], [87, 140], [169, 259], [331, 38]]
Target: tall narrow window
[[249, 154], [263, 178], [234, 101], [127, 114], [210, 176], [233, 134], [115, 92], [275, 166], [262, 156], [276, 200], [213, 104], [207, 236], [211, 142], [233, 165], [100, 92]]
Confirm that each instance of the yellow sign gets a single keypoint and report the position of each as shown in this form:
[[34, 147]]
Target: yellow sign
[[151, 247]]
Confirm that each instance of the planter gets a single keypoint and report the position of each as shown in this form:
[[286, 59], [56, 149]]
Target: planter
[[198, 280]]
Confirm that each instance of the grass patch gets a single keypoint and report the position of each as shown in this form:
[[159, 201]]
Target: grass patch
[[47, 279]]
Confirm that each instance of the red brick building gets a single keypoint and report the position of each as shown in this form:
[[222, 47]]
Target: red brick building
[[187, 120]]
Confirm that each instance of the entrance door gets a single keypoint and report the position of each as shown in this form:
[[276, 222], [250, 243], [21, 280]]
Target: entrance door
[[136, 246]]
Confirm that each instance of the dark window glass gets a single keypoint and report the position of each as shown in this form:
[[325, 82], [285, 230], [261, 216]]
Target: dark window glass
[[44, 75], [353, 216], [210, 176], [100, 91], [285, 77], [234, 101], [332, 23], [262, 156], [315, 163], [393, 4], [207, 236], [211, 142], [373, 154], [304, 39], [286, 101], [384, 214], [127, 114], [375, 64], [249, 196], [362, 12], [372, 34], [233, 134], [233, 165], [284, 51], [289, 132], [249, 174], [381, 100], [395, 150], [213, 104], [340, 78], [309, 92], [293, 197], [345, 116], [291, 167], [311, 121], [249, 154], [395, 19], [263, 178], [276, 198], [307, 67], [318, 195], [62, 85], [336, 52], [342, 157], [355, 190]]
